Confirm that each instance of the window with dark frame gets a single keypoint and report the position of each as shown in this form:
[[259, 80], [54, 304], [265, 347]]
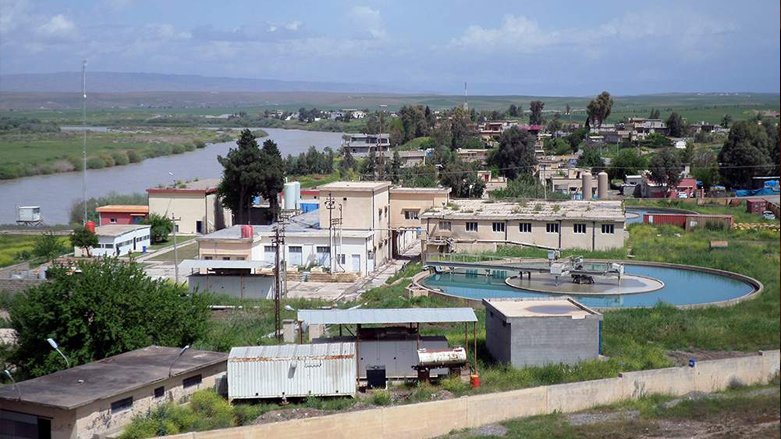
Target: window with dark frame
[[552, 227], [192, 381], [471, 226], [444, 225], [159, 392], [498, 227], [122, 405], [525, 227], [608, 228], [579, 228], [411, 214]]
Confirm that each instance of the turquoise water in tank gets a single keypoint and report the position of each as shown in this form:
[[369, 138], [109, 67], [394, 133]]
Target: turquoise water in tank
[[681, 287]]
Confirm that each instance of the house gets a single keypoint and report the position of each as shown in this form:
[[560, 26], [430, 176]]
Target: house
[[679, 143], [479, 225], [406, 205], [541, 331], [119, 240], [361, 145], [472, 154], [122, 214], [102, 397], [569, 180], [195, 205], [409, 158], [687, 188]]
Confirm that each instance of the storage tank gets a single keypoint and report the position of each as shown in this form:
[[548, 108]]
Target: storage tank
[[298, 194], [587, 185], [441, 357], [246, 232], [91, 226], [290, 196], [602, 185]]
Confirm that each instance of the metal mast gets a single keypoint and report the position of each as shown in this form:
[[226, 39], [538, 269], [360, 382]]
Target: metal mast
[[84, 135], [466, 105]]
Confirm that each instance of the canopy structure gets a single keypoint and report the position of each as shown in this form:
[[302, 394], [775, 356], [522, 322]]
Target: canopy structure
[[386, 316]]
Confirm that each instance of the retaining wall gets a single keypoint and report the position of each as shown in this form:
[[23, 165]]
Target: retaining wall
[[432, 419]]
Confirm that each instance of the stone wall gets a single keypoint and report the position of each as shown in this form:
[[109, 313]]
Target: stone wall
[[432, 419]]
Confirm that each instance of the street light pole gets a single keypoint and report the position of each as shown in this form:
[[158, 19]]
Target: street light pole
[[11, 377], [170, 368], [54, 346], [176, 251]]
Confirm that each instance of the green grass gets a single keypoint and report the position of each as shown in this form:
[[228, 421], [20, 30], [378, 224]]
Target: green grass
[[47, 153], [16, 248], [408, 271], [738, 212], [182, 253], [414, 144], [180, 239], [314, 180]]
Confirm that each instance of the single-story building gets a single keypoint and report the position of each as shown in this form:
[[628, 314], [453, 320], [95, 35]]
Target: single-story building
[[102, 397], [195, 205], [541, 331], [119, 240], [122, 214]]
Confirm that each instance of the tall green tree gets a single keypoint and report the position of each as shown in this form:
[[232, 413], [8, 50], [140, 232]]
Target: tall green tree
[[726, 121], [675, 125], [515, 154], [243, 176], [461, 178], [109, 308], [394, 168], [47, 246], [347, 163], [626, 162], [535, 116], [555, 124], [462, 129], [512, 111], [369, 167], [747, 152], [162, 226], [576, 137], [655, 114], [592, 159], [84, 238], [599, 108], [704, 166], [666, 168], [273, 172]]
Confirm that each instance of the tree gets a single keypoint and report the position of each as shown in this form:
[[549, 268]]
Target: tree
[[47, 246], [666, 168], [576, 137], [555, 124], [461, 129], [461, 178], [394, 168], [726, 121], [512, 111], [626, 162], [161, 227], [442, 135], [419, 175], [84, 238], [704, 167], [655, 114], [687, 154], [747, 152], [243, 176], [347, 164], [369, 167], [599, 108], [567, 110], [273, 172], [111, 307], [515, 154], [675, 125], [590, 158], [535, 108]]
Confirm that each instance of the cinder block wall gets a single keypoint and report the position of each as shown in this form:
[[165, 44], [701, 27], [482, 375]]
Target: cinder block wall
[[537, 341]]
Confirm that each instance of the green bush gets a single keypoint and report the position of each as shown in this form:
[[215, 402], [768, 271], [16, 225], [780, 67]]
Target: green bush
[[177, 149], [381, 397], [189, 146], [95, 163], [213, 411], [120, 158], [133, 156], [199, 144], [76, 162], [107, 159]]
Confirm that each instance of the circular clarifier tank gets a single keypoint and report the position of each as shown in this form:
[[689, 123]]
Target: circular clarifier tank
[[646, 285]]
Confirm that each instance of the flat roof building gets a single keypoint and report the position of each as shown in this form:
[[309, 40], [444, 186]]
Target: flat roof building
[[481, 225], [196, 206], [122, 214], [103, 396], [119, 240], [538, 332]]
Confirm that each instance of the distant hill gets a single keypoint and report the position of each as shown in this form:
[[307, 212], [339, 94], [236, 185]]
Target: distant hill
[[113, 82]]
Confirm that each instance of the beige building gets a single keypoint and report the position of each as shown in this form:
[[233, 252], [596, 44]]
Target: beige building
[[102, 397], [362, 205], [478, 225], [196, 206], [406, 206]]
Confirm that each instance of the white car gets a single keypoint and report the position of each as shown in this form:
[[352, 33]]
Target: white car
[[768, 215], [683, 195]]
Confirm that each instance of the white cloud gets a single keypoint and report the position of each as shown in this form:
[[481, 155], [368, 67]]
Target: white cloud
[[271, 28], [293, 25], [13, 13], [57, 26], [368, 19], [164, 32], [517, 32]]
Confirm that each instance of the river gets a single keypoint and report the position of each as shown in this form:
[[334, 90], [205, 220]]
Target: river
[[56, 193]]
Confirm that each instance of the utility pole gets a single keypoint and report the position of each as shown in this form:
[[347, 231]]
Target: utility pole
[[329, 204], [176, 251], [381, 163], [279, 241], [84, 134]]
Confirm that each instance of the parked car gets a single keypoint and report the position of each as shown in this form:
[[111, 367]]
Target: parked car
[[683, 195], [768, 215]]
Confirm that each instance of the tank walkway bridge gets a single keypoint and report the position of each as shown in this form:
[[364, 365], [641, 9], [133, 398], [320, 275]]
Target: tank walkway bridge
[[489, 264]]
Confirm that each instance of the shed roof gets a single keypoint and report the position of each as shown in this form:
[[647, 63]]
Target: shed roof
[[386, 316], [540, 307], [292, 351], [80, 385], [123, 208], [338, 186]]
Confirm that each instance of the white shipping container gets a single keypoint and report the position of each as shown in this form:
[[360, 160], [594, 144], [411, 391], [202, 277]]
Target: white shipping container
[[292, 371]]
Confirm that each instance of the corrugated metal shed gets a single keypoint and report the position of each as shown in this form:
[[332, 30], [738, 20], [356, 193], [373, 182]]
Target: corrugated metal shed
[[289, 371], [386, 316]]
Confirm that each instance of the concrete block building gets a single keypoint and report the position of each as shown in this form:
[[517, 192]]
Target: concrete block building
[[537, 332], [195, 205], [406, 206], [102, 397], [481, 225], [119, 240]]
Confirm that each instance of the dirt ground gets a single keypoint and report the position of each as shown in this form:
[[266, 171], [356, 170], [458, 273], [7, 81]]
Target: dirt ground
[[681, 358]]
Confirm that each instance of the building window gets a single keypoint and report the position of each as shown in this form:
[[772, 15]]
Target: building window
[[113, 220], [379, 213], [498, 227], [608, 228], [192, 381], [579, 228], [226, 258], [444, 225], [552, 227], [411, 214], [207, 258], [342, 259], [159, 392], [471, 226], [525, 227], [122, 405]]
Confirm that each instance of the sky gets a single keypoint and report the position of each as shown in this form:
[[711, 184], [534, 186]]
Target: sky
[[552, 48]]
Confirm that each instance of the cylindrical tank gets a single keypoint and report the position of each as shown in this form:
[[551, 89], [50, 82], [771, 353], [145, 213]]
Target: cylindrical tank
[[602, 185], [91, 226], [298, 194], [588, 185], [290, 196], [246, 231], [441, 357]]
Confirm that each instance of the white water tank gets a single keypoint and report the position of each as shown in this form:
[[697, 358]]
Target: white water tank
[[602, 185], [298, 194], [290, 195], [588, 185]]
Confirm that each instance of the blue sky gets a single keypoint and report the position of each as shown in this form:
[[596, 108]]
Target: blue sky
[[499, 47]]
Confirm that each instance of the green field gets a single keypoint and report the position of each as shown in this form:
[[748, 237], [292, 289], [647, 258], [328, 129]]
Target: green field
[[13, 246], [47, 153]]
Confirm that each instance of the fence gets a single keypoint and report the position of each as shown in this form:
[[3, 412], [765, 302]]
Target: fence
[[437, 418]]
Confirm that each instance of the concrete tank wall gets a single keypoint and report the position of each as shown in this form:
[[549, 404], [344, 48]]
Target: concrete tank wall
[[587, 185], [602, 186]]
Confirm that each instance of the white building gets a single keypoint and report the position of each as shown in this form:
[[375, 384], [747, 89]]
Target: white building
[[119, 240]]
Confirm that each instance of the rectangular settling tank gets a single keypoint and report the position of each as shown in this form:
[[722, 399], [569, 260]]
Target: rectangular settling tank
[[292, 371]]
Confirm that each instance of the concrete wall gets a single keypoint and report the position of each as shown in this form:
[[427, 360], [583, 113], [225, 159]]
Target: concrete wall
[[401, 201], [18, 285], [432, 419], [191, 207], [244, 287], [235, 250], [537, 341]]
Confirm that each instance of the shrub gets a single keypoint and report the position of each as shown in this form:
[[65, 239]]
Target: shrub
[[107, 159], [133, 156], [77, 162], [189, 146], [381, 397], [199, 144], [120, 158], [177, 149], [95, 163]]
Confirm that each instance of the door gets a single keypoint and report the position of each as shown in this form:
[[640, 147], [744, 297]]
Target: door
[[199, 227], [356, 263], [296, 256], [269, 254], [324, 256]]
